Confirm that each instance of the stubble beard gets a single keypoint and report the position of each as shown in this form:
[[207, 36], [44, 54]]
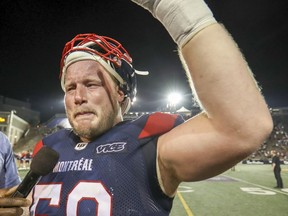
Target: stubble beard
[[100, 124]]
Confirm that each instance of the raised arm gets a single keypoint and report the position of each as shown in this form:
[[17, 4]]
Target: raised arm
[[235, 118]]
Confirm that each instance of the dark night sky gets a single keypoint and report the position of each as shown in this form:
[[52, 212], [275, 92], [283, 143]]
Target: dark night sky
[[34, 32]]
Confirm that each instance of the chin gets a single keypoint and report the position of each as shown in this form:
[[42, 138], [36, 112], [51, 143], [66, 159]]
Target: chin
[[87, 129]]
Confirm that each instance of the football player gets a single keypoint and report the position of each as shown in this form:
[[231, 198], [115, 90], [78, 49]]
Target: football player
[[108, 166]]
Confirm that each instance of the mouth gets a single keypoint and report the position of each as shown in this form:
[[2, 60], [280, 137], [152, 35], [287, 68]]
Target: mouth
[[83, 114]]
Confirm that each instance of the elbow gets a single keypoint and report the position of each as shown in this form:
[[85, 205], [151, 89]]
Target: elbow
[[258, 133], [268, 127], [264, 128]]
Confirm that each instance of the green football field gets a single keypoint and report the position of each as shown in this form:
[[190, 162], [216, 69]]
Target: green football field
[[247, 191]]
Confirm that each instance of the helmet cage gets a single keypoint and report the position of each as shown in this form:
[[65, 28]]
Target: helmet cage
[[109, 47]]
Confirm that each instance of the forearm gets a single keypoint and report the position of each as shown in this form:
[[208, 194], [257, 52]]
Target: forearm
[[223, 82]]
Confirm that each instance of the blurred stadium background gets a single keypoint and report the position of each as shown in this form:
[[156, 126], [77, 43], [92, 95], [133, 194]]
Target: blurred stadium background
[[247, 189]]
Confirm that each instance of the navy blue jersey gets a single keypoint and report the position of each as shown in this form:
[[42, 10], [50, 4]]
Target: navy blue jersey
[[112, 175]]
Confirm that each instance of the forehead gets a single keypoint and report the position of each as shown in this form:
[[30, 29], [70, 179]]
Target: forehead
[[86, 69]]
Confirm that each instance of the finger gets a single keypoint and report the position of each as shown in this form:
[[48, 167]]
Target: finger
[[3, 192], [11, 211], [14, 202], [10, 191]]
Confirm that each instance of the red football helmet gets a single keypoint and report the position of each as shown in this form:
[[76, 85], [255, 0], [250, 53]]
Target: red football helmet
[[110, 54]]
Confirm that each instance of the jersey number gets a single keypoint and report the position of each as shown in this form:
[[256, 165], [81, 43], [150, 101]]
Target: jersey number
[[82, 191]]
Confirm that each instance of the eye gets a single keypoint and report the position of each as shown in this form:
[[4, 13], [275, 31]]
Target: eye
[[93, 84], [69, 88]]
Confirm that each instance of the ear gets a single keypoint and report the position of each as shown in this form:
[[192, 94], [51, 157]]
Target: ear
[[120, 96]]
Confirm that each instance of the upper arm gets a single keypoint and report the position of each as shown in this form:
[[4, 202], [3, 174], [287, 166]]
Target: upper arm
[[195, 150]]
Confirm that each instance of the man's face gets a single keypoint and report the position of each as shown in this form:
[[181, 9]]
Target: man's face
[[91, 99]]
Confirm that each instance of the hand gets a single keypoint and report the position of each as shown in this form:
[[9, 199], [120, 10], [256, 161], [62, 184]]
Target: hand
[[11, 206]]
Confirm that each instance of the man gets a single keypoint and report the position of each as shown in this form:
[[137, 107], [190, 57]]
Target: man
[[111, 167], [8, 171], [277, 169], [9, 177]]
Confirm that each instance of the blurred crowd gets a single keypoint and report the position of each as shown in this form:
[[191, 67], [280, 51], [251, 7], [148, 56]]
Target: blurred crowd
[[278, 140], [23, 159]]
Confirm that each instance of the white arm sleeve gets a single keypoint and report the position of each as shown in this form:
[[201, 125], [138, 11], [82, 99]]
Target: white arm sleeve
[[182, 18]]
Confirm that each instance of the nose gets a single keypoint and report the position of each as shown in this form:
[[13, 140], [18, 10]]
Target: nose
[[80, 95]]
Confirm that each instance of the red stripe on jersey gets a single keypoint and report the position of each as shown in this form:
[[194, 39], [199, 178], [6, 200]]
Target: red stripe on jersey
[[158, 123], [37, 147]]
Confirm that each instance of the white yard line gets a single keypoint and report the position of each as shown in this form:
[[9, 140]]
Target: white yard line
[[267, 188]]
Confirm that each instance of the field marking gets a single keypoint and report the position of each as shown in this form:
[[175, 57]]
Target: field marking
[[261, 186], [186, 207]]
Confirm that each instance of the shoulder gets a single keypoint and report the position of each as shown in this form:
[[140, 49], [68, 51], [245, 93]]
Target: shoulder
[[3, 138], [158, 123], [5, 144]]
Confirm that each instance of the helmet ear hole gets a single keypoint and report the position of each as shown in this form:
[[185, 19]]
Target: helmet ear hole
[[127, 73]]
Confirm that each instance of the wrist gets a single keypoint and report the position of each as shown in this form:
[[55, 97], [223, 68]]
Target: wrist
[[182, 19]]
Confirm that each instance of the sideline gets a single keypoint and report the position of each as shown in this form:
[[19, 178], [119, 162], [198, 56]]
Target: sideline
[[186, 207], [261, 186]]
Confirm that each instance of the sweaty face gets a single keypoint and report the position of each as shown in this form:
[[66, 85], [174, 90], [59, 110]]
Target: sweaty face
[[91, 99]]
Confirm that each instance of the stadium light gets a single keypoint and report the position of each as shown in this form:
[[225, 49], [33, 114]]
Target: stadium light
[[174, 98]]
